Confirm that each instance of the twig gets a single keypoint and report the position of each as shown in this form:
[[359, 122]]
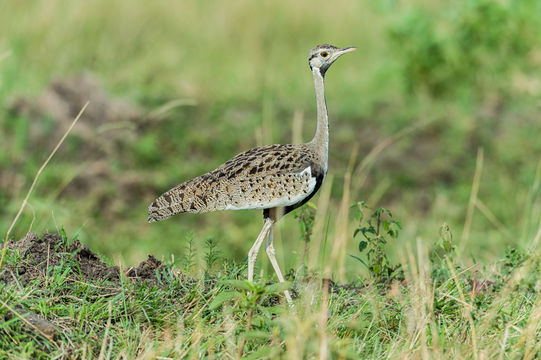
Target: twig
[[16, 280], [25, 201]]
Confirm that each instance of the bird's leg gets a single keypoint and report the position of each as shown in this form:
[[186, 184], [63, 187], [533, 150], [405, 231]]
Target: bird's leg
[[252, 254], [269, 248]]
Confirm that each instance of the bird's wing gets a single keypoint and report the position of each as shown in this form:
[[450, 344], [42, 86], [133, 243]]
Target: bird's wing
[[260, 178]]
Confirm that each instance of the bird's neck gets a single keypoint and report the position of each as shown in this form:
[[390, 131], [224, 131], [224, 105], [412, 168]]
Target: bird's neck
[[321, 138]]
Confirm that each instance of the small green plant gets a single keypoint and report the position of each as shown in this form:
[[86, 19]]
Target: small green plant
[[442, 251], [247, 295], [444, 246], [376, 231], [66, 241], [514, 258], [305, 216], [188, 260], [14, 257], [212, 255]]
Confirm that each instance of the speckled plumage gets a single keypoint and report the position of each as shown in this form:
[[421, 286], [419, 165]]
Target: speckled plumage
[[275, 175]]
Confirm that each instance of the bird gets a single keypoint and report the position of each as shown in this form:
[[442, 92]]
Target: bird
[[274, 178]]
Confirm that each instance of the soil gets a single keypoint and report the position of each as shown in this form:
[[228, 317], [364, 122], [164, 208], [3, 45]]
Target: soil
[[40, 254]]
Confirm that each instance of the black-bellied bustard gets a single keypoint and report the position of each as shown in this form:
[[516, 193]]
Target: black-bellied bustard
[[275, 178]]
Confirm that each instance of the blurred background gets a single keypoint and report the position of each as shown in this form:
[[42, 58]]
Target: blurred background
[[435, 90]]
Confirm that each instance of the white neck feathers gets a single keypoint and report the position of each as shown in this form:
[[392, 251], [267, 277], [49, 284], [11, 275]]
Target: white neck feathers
[[321, 138]]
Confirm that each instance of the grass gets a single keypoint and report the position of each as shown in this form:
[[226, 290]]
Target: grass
[[436, 308], [435, 117]]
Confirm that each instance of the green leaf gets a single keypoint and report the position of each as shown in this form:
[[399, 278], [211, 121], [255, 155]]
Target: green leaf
[[76, 236], [223, 297], [447, 246], [277, 288], [240, 284], [64, 236], [271, 311], [359, 259], [362, 246], [303, 228]]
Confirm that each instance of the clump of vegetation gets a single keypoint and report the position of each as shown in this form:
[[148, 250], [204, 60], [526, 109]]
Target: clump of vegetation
[[305, 217], [461, 52], [375, 231], [212, 254]]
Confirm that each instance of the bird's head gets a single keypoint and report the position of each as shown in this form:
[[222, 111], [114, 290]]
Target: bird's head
[[322, 56]]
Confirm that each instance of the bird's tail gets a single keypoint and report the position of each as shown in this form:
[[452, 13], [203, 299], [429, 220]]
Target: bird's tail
[[179, 199], [193, 196], [163, 208]]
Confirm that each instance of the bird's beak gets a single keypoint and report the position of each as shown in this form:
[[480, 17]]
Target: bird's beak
[[342, 51], [348, 49]]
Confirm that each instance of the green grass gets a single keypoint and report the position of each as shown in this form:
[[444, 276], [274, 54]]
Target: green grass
[[436, 308], [431, 86]]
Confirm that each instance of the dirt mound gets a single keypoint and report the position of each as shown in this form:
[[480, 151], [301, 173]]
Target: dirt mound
[[62, 100], [33, 258], [103, 138]]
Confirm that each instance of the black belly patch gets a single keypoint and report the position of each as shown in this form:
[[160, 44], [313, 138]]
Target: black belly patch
[[287, 209]]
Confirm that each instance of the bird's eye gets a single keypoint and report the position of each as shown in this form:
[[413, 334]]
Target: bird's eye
[[324, 54]]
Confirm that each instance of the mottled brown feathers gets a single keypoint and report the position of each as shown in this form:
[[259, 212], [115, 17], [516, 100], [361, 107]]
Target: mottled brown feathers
[[260, 178]]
